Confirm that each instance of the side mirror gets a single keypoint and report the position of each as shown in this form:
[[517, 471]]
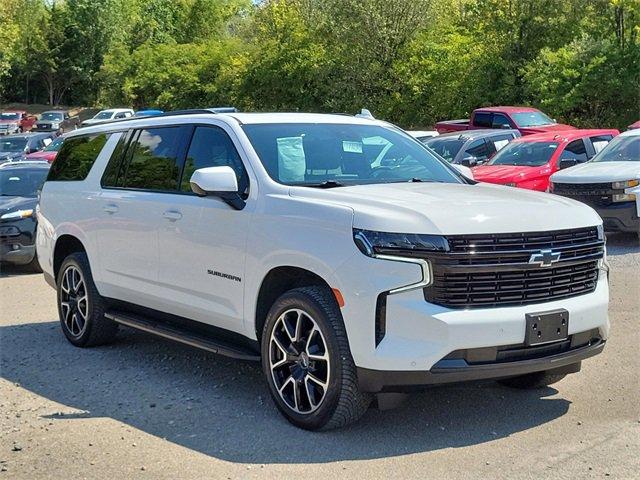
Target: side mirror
[[469, 161], [218, 182], [568, 162]]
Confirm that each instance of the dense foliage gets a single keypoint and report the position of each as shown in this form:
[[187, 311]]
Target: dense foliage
[[412, 62]]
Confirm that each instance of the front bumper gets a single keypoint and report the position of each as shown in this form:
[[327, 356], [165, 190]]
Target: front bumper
[[452, 370], [17, 243], [621, 217], [418, 334]]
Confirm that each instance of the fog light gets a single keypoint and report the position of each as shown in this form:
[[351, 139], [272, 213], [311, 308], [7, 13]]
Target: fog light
[[15, 246]]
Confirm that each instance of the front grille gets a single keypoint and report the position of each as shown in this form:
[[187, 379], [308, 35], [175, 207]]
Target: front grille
[[9, 231], [593, 194], [44, 126], [481, 271]]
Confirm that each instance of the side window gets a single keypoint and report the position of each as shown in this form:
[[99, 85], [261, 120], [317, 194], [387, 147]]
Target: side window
[[477, 149], [575, 149], [212, 147], [156, 159], [600, 141], [76, 157], [482, 119], [119, 115], [500, 121], [500, 141]]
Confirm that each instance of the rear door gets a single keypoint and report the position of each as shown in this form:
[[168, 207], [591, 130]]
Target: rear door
[[144, 168], [203, 239], [597, 143]]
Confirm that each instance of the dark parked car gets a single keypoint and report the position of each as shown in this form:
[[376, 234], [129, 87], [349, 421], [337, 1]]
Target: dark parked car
[[14, 148], [470, 148], [19, 186], [58, 121]]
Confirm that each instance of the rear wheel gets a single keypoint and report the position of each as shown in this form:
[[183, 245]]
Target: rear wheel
[[532, 380], [307, 361], [80, 306]]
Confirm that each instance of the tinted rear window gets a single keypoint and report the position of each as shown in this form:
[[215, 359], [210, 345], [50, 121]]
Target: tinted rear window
[[482, 119], [76, 157], [156, 159]]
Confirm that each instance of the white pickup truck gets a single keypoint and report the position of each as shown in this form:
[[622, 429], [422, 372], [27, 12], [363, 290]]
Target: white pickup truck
[[610, 183]]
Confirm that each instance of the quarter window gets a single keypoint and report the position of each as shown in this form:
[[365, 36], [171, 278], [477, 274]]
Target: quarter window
[[156, 159], [76, 157], [212, 147]]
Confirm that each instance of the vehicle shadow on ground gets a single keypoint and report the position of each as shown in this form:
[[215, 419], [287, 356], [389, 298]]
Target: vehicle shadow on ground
[[622, 243], [222, 408], [15, 271]]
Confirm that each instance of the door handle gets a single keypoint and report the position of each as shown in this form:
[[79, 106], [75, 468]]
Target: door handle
[[110, 208], [172, 215]]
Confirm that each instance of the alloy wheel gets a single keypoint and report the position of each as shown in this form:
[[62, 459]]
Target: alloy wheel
[[299, 361], [74, 301]]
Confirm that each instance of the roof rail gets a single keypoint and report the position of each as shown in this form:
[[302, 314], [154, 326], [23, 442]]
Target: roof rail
[[192, 111]]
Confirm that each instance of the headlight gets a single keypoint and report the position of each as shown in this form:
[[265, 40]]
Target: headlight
[[55, 125], [373, 243], [625, 184], [17, 214]]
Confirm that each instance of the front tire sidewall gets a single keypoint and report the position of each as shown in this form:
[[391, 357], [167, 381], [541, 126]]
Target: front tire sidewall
[[321, 416]]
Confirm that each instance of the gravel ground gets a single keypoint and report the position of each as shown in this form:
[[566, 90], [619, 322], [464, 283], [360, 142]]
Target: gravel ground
[[148, 408]]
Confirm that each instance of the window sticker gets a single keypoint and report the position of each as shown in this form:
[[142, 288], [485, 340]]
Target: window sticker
[[351, 147], [291, 160], [500, 144], [598, 146]]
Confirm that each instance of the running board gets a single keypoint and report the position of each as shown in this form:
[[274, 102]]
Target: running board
[[183, 336]]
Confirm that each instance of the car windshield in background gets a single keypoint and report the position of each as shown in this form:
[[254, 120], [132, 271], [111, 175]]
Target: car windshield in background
[[525, 154], [620, 149], [328, 155], [22, 182], [15, 144], [55, 145], [447, 148], [51, 116], [531, 119], [9, 116], [103, 115]]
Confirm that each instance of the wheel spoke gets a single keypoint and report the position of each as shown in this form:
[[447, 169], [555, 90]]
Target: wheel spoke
[[298, 327], [310, 395], [317, 381]]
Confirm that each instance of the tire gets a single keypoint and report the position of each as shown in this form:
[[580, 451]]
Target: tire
[[532, 380], [317, 353], [82, 321], [34, 265]]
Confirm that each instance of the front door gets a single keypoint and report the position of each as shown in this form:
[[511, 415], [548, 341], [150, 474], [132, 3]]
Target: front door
[[203, 240]]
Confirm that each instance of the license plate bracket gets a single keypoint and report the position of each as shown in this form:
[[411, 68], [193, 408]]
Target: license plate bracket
[[546, 327]]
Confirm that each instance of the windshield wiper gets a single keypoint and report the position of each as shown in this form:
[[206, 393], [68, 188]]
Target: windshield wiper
[[326, 184]]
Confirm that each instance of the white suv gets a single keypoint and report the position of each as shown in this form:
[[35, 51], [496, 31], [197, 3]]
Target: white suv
[[338, 251]]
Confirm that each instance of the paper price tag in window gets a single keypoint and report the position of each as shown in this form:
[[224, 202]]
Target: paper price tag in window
[[352, 147]]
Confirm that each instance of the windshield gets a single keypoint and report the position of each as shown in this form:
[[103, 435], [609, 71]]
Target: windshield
[[525, 154], [447, 148], [620, 149], [531, 119], [23, 182], [14, 144], [104, 115], [343, 154], [55, 145], [9, 116], [51, 116]]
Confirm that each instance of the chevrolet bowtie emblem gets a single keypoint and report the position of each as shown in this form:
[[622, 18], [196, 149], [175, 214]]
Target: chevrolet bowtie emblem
[[545, 258]]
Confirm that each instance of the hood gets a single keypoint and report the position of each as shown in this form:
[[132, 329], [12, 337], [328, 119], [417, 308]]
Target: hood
[[4, 156], [42, 155], [11, 204], [441, 208], [93, 121], [598, 172], [556, 127], [508, 173]]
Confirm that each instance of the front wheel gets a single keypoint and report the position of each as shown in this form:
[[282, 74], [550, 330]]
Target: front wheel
[[307, 362]]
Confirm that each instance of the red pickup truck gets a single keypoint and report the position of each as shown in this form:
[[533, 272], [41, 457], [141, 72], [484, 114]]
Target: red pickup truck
[[15, 121], [525, 119]]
